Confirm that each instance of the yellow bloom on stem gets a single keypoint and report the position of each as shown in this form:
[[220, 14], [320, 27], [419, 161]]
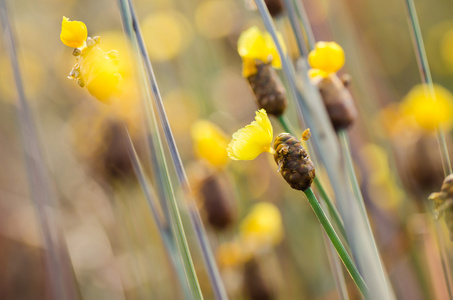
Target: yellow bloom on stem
[[210, 143], [73, 33], [427, 112], [262, 227], [99, 72], [252, 140], [327, 57], [254, 44]]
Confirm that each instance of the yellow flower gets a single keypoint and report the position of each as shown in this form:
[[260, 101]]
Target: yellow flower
[[73, 33], [254, 44], [262, 227], [210, 143], [328, 57], [427, 112], [253, 139], [230, 254]]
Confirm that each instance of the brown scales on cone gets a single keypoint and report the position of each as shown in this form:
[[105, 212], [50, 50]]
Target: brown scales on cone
[[338, 101], [443, 203], [268, 89], [293, 162]]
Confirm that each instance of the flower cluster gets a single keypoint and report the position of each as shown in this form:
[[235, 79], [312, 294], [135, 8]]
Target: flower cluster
[[95, 69]]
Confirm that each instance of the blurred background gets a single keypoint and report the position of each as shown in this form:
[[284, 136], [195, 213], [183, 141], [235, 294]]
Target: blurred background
[[111, 238]]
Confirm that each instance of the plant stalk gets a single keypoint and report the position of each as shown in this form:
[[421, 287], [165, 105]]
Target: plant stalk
[[342, 253], [214, 276]]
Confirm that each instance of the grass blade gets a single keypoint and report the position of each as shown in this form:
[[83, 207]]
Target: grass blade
[[58, 265], [214, 276], [163, 226]]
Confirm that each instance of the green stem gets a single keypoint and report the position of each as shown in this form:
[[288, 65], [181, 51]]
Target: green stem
[[319, 186], [342, 253], [160, 169]]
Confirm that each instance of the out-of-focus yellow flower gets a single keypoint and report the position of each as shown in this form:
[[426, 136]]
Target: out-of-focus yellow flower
[[73, 33], [253, 139], [164, 45], [262, 227], [230, 254], [254, 44], [216, 18], [97, 70], [327, 57], [210, 143], [427, 112]]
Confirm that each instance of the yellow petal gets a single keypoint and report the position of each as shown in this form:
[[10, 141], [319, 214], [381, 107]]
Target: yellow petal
[[327, 56], [248, 67], [254, 44], [252, 140], [262, 227], [427, 112], [73, 33], [210, 143], [99, 72]]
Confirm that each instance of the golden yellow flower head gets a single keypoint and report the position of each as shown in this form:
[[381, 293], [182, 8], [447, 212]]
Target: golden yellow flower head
[[252, 140], [262, 227], [73, 33], [429, 113], [328, 57], [210, 143], [254, 44], [95, 69]]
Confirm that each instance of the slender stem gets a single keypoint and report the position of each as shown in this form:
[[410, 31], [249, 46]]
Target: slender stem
[[214, 275], [319, 186], [163, 227], [305, 24], [58, 265], [425, 74], [297, 29], [342, 253], [169, 206]]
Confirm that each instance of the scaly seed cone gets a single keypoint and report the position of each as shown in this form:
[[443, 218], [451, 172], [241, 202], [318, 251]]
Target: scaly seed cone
[[218, 205], [293, 162], [338, 101], [268, 89], [443, 203], [256, 285]]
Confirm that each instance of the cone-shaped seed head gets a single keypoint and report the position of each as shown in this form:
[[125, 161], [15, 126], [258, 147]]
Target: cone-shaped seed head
[[443, 203], [338, 101], [268, 89], [293, 162]]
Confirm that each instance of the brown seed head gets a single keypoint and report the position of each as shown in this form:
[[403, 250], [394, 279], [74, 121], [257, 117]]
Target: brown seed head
[[338, 101], [268, 89], [293, 162]]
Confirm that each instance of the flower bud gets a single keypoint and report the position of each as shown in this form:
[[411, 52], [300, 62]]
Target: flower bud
[[338, 101], [293, 162], [268, 89]]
